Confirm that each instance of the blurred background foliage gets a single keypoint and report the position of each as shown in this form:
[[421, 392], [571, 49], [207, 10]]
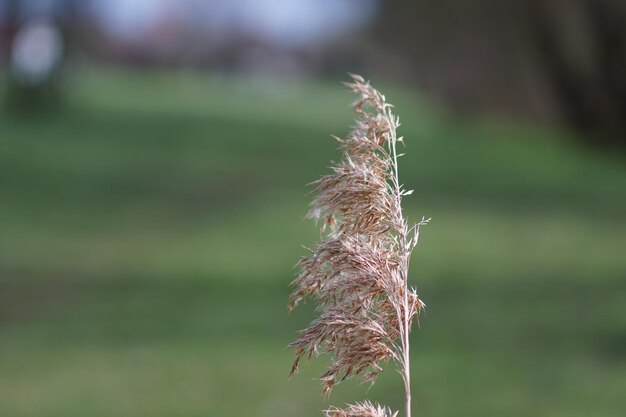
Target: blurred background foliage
[[152, 189]]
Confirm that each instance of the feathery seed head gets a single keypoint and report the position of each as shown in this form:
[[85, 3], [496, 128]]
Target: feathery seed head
[[358, 273]]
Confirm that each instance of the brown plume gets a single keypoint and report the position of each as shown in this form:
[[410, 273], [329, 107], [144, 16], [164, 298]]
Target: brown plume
[[365, 409], [358, 273]]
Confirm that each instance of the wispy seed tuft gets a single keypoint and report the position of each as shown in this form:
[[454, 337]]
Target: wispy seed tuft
[[358, 273]]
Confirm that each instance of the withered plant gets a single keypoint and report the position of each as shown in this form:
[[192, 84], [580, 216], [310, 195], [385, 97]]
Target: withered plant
[[358, 273]]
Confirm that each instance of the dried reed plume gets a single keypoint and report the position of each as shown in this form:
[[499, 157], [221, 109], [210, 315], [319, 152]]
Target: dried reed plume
[[358, 273]]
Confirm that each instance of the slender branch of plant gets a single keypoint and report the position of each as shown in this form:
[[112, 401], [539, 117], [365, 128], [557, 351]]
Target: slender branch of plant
[[358, 273]]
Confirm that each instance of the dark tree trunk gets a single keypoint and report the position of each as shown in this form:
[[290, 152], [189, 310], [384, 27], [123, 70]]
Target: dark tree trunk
[[582, 47], [551, 59]]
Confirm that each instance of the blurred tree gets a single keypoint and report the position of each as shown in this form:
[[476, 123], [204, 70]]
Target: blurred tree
[[582, 44], [559, 59], [37, 48]]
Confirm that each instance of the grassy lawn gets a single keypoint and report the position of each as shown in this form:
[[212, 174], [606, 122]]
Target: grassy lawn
[[149, 231]]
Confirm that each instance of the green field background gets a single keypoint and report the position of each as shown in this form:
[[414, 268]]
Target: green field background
[[149, 228]]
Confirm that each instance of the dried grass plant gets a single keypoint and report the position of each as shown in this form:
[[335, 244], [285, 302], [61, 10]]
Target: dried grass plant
[[358, 273]]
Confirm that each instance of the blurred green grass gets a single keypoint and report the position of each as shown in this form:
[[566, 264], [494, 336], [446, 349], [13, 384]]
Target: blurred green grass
[[150, 228]]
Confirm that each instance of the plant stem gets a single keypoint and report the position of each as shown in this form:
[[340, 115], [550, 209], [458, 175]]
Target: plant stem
[[406, 371], [406, 368]]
